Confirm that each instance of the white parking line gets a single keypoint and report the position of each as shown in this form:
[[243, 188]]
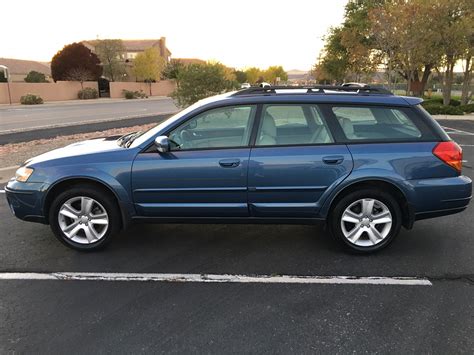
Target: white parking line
[[214, 278], [2, 191], [458, 131]]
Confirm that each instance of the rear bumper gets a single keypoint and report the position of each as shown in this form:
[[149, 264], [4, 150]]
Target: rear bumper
[[25, 200], [440, 197]]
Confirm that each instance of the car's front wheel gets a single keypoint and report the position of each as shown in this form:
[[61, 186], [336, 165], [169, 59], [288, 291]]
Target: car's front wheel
[[366, 221], [84, 218]]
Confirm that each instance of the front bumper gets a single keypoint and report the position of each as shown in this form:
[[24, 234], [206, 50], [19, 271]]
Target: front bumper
[[25, 200]]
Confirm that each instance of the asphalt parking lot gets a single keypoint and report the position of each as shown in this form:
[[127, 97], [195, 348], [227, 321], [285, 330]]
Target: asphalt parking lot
[[48, 316]]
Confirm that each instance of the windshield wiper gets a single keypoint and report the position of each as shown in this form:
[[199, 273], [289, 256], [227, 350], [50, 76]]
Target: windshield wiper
[[128, 138]]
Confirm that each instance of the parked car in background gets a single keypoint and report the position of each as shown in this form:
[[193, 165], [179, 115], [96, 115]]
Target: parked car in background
[[363, 160], [245, 86]]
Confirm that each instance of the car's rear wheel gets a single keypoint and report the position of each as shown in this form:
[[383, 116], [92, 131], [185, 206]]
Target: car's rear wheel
[[366, 221], [84, 218]]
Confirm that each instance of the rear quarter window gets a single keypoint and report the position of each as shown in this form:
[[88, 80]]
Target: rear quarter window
[[380, 124]]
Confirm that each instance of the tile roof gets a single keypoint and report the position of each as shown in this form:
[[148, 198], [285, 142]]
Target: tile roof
[[20, 66]]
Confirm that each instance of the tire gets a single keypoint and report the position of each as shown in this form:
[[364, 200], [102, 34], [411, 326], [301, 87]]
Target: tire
[[72, 215], [362, 231]]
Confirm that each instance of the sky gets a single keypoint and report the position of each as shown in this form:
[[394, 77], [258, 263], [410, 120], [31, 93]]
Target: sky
[[238, 33]]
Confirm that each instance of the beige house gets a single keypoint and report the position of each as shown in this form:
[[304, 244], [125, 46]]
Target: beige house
[[135, 46], [19, 68]]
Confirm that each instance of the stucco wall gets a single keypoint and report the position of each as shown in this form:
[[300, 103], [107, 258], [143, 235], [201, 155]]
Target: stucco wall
[[161, 88], [59, 91]]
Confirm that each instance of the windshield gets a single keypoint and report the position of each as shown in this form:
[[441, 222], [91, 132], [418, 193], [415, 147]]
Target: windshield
[[154, 130]]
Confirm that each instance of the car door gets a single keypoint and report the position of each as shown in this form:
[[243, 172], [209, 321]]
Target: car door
[[293, 162], [205, 172]]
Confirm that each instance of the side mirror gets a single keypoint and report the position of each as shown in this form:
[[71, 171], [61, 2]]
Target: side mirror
[[162, 144]]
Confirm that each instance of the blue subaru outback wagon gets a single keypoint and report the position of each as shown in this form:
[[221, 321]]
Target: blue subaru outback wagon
[[364, 160]]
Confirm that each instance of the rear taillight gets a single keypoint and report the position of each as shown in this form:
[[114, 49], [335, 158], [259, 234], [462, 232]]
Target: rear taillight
[[450, 153]]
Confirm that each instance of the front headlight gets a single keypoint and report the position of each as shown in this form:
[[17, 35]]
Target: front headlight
[[23, 173]]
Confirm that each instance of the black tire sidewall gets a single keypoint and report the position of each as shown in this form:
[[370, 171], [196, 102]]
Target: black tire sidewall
[[103, 198], [345, 201]]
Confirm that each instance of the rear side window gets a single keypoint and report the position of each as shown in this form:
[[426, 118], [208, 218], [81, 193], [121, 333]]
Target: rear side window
[[293, 124], [376, 123]]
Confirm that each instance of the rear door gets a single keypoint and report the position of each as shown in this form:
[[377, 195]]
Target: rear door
[[294, 161]]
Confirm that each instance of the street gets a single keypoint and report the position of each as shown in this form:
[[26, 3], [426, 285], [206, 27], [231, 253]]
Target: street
[[45, 316], [50, 115]]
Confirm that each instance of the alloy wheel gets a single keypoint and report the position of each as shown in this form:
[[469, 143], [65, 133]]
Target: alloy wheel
[[366, 222], [83, 220]]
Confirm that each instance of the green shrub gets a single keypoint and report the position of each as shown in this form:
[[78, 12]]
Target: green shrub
[[469, 108], [31, 99], [439, 101], [35, 77], [436, 109], [87, 94], [129, 94]]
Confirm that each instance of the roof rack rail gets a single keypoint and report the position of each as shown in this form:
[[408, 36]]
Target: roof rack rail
[[316, 89]]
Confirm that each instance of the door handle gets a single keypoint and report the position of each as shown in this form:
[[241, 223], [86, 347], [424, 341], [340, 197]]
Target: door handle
[[333, 159], [229, 163]]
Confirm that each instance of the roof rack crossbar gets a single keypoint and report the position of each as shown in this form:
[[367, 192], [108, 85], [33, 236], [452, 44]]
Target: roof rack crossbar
[[316, 89]]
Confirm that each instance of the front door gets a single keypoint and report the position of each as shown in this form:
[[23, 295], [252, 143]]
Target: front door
[[204, 174], [294, 161]]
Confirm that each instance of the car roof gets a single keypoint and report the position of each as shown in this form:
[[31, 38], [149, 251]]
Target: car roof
[[295, 97]]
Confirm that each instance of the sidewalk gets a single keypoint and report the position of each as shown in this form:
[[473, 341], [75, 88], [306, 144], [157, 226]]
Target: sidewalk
[[104, 100], [468, 117]]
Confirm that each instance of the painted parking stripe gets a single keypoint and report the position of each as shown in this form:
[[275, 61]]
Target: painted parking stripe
[[457, 131], [214, 278], [2, 191]]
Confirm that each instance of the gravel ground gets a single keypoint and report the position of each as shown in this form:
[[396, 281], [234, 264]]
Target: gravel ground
[[15, 154]]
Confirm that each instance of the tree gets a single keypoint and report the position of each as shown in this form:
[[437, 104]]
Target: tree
[[35, 77], [198, 81], [80, 75], [240, 76], [253, 74], [333, 62], [172, 69], [273, 72], [406, 37], [111, 53], [148, 66], [75, 56]]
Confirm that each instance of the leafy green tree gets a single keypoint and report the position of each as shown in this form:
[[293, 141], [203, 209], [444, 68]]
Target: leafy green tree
[[111, 53], [240, 76], [75, 56], [172, 69], [198, 81], [35, 77], [333, 63], [273, 72], [253, 74], [148, 66]]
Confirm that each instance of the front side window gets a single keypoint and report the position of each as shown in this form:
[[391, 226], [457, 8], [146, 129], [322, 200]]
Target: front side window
[[292, 125], [222, 127], [375, 123]]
